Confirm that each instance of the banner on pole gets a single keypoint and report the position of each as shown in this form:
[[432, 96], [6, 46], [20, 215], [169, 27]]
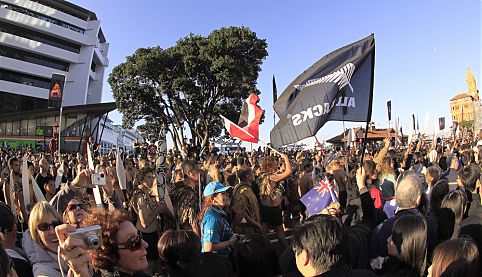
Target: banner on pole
[[56, 91], [389, 110], [441, 123]]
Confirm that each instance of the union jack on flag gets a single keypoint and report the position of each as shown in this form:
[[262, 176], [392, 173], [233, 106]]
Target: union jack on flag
[[318, 198]]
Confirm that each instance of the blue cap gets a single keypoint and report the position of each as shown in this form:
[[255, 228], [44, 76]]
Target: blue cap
[[214, 187]]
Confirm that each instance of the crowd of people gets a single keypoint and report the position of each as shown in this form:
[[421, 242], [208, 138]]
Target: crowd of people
[[409, 210]]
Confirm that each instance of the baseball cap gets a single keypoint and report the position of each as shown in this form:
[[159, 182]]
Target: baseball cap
[[214, 187]]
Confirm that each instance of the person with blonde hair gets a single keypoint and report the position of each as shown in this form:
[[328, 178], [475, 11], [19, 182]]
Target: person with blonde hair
[[41, 243]]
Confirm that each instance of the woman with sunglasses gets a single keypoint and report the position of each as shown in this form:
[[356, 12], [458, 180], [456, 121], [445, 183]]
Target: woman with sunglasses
[[122, 253], [40, 241], [74, 213]]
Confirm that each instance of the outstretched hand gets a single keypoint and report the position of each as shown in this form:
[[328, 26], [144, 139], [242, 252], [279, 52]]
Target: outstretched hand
[[73, 251]]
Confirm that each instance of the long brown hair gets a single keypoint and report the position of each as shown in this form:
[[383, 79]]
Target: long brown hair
[[267, 163], [386, 167], [208, 203]]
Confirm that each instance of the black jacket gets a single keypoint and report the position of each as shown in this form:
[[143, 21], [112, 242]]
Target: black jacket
[[347, 271]]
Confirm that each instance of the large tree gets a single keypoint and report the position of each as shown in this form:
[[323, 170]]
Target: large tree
[[187, 86]]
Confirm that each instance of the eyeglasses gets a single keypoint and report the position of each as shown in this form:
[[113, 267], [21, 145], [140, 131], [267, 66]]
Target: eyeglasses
[[72, 207], [133, 244], [46, 226]]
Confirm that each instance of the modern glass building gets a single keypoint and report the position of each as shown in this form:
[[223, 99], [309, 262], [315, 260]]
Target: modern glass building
[[39, 38]]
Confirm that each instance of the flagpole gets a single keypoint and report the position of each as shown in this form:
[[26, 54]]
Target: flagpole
[[370, 103]]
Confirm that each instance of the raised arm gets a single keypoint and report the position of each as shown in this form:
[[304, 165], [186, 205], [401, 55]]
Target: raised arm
[[281, 176]]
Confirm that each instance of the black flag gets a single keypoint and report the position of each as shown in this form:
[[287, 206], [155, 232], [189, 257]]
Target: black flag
[[413, 122], [275, 91], [56, 91], [441, 123], [389, 109], [337, 87]]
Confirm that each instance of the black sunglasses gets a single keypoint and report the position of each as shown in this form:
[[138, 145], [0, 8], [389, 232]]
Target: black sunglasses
[[46, 226], [133, 244]]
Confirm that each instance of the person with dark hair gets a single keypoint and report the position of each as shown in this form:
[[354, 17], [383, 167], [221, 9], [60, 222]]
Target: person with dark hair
[[432, 175], [408, 245], [467, 178], [255, 256], [452, 172], [456, 257], [12, 189], [177, 249], [148, 207], [44, 176], [372, 183], [8, 238], [246, 214], [209, 265], [216, 233], [472, 225], [74, 213], [408, 195], [319, 249], [184, 197], [7, 266], [455, 201]]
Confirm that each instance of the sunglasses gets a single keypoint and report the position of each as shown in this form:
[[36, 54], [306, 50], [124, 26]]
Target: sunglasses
[[133, 244], [46, 226], [72, 207]]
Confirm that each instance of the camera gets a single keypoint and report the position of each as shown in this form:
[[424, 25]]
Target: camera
[[91, 236], [98, 179]]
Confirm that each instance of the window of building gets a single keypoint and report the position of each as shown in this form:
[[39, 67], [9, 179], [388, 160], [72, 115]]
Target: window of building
[[92, 66], [41, 17], [24, 79], [69, 12], [8, 128], [33, 58], [40, 37], [24, 127], [32, 124]]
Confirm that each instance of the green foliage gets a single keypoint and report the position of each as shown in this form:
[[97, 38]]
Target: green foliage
[[467, 124], [191, 83]]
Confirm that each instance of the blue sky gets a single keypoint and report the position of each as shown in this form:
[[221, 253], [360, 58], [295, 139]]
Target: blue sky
[[422, 46]]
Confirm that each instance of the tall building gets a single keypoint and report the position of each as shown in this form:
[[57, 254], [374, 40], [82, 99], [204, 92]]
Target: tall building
[[41, 37], [38, 38], [463, 105]]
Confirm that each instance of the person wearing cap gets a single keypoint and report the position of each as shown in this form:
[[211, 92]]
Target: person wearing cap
[[216, 233]]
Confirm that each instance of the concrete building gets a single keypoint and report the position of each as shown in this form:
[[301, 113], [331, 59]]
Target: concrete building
[[41, 37], [463, 106], [114, 136]]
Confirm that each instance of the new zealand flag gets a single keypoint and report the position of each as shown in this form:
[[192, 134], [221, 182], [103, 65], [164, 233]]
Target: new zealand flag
[[318, 198]]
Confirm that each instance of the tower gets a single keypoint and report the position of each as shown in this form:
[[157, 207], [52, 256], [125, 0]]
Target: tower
[[472, 86]]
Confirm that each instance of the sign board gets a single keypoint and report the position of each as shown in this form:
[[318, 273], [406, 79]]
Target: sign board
[[44, 131]]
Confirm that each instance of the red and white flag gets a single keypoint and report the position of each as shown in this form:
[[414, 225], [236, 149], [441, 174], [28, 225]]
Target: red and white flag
[[247, 128], [237, 132], [251, 115]]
